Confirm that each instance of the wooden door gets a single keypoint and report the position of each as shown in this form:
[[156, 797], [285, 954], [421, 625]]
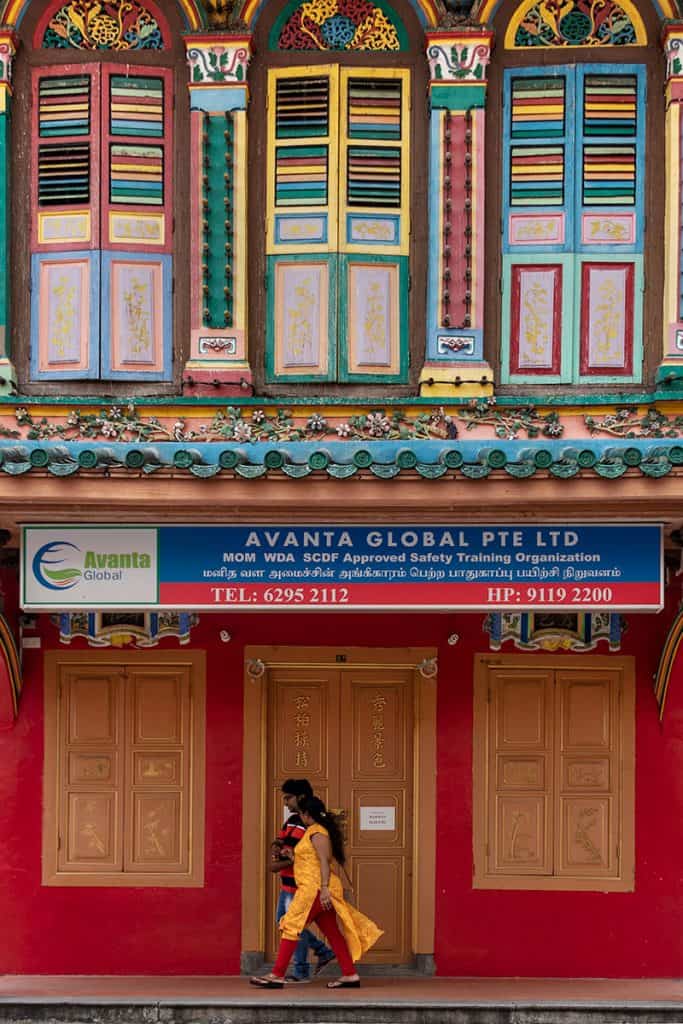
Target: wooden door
[[350, 732], [124, 768], [553, 773]]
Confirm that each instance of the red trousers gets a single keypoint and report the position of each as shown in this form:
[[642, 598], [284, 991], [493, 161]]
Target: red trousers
[[327, 922]]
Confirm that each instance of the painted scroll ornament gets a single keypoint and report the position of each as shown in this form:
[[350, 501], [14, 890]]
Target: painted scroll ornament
[[111, 25]]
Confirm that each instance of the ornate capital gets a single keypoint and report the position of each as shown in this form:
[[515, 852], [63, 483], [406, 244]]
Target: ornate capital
[[218, 59], [458, 56], [672, 41], [8, 48]]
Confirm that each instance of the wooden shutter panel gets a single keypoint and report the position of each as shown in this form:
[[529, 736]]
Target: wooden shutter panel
[[66, 179], [374, 225], [610, 198], [90, 777], [158, 725], [587, 773], [519, 771], [301, 322], [138, 141], [65, 271], [137, 224], [537, 226], [573, 212]]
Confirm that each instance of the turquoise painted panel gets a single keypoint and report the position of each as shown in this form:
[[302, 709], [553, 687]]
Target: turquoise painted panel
[[457, 97]]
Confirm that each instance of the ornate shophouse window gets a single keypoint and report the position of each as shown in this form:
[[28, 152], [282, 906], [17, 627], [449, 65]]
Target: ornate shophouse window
[[101, 185], [338, 195], [574, 195]]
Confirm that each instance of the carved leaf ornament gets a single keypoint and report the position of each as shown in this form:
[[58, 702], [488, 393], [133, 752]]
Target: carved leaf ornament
[[109, 25], [338, 25], [552, 23]]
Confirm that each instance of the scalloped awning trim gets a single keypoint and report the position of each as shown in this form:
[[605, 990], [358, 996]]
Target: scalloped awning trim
[[384, 459]]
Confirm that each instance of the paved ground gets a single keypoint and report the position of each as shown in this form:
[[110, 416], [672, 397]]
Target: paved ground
[[380, 1000], [217, 990]]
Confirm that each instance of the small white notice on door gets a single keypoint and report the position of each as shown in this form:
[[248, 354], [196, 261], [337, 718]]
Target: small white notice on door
[[377, 819]]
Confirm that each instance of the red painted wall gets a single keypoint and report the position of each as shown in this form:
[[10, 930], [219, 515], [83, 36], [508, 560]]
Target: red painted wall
[[572, 934], [197, 931]]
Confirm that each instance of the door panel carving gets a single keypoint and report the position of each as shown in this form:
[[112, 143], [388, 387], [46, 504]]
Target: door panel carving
[[93, 836], [520, 833], [585, 834], [349, 731], [158, 832]]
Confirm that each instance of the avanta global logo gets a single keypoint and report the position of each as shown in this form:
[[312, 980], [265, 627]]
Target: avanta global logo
[[47, 562]]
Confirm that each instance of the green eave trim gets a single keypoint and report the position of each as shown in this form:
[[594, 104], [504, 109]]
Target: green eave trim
[[547, 400], [341, 460]]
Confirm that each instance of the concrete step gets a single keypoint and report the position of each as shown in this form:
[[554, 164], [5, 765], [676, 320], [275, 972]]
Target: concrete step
[[279, 1008], [386, 999]]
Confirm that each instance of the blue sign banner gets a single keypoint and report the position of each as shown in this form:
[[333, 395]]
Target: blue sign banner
[[434, 567]]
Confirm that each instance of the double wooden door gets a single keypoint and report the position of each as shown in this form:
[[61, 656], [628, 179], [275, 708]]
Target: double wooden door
[[350, 732]]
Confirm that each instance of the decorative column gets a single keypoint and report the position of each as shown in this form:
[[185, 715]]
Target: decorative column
[[218, 213], [455, 292], [8, 48], [670, 370]]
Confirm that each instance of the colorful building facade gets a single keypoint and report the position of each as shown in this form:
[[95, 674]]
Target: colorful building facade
[[341, 349]]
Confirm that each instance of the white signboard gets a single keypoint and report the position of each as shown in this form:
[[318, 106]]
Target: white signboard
[[89, 567], [378, 819]]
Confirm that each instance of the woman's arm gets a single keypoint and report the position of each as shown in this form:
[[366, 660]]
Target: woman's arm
[[321, 845], [280, 856]]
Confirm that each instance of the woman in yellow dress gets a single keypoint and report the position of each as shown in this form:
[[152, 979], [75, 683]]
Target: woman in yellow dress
[[319, 897]]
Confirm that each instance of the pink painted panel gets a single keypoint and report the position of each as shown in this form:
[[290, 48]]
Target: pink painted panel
[[535, 342], [301, 317], [478, 178], [537, 229], [64, 315], [607, 318], [373, 317], [137, 317], [608, 228], [196, 223]]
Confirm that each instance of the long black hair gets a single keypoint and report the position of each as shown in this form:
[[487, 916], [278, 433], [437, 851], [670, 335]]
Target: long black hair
[[314, 806]]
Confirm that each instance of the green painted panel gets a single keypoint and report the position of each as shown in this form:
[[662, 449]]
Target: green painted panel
[[218, 195], [457, 97]]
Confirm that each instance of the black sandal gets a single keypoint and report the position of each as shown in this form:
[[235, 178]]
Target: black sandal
[[344, 984], [264, 982]]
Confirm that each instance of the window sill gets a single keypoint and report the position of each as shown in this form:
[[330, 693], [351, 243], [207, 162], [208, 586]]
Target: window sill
[[121, 879], [552, 883]]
